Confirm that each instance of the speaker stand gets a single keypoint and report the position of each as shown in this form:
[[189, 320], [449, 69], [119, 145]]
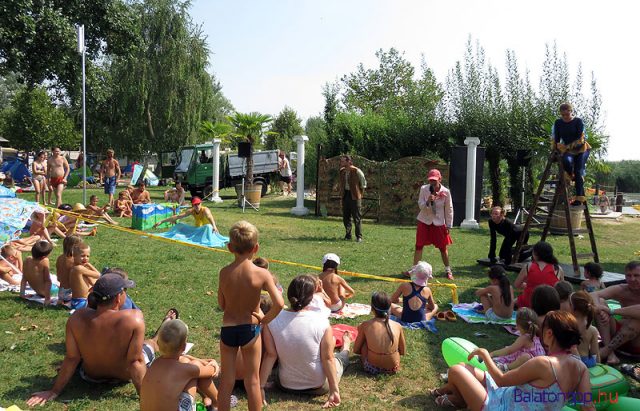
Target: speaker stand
[[245, 202], [522, 211]]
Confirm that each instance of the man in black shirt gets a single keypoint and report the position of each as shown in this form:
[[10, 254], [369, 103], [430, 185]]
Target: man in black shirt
[[511, 232]]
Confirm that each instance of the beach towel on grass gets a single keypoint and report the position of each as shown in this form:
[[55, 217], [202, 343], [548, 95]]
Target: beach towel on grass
[[352, 310], [30, 294], [14, 214], [420, 325], [204, 235], [467, 313]]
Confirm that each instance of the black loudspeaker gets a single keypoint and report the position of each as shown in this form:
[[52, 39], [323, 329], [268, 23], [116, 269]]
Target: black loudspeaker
[[244, 150], [458, 182], [523, 157]]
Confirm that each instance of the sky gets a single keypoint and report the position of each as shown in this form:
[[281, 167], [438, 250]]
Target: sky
[[268, 54]]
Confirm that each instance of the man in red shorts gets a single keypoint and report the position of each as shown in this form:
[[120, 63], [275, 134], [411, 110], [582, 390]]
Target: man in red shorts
[[58, 169], [435, 219]]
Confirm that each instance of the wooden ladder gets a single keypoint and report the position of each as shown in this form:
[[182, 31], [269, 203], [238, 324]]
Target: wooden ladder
[[560, 196]]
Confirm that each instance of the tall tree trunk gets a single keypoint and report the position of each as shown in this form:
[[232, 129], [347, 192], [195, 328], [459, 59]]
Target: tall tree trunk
[[515, 182], [493, 158]]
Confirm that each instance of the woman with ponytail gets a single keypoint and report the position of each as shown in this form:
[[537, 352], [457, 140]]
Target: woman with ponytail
[[543, 270], [302, 341], [380, 342], [542, 383], [585, 311], [497, 299]]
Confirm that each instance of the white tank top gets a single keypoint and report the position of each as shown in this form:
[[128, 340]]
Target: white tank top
[[286, 171], [297, 337]]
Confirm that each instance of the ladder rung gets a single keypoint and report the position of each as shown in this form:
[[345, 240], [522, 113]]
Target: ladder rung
[[584, 256]]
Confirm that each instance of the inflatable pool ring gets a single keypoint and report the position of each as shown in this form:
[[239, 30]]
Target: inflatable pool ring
[[456, 350], [613, 304], [339, 330], [606, 383], [624, 404]]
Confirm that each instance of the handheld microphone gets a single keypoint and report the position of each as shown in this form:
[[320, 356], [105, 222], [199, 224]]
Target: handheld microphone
[[431, 191]]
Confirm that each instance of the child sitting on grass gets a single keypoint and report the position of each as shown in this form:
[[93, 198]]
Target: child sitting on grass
[[584, 310], [593, 273], [10, 257], [525, 347], [172, 380], [564, 289], [123, 205], [36, 271], [82, 276], [380, 343], [240, 284], [93, 209], [497, 299], [321, 301], [64, 264], [263, 263], [335, 286], [417, 300], [41, 227]]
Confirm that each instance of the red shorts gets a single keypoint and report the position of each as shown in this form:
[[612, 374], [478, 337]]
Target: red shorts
[[56, 181], [436, 235]]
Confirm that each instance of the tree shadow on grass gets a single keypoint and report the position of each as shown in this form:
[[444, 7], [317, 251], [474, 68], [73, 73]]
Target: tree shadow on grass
[[417, 402], [58, 348], [77, 390]]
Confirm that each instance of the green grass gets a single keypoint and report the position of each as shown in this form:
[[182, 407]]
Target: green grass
[[186, 278]]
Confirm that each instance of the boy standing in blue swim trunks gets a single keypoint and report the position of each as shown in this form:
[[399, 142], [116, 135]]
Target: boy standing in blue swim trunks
[[240, 284]]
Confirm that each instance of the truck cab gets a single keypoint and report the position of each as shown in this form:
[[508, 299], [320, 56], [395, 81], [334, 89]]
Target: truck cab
[[194, 168]]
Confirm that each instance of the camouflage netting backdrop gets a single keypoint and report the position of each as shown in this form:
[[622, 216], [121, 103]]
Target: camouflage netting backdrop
[[392, 187]]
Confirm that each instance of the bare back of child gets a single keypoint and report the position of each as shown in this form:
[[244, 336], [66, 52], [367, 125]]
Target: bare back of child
[[497, 299], [172, 380], [333, 285], [240, 284], [380, 342], [36, 271]]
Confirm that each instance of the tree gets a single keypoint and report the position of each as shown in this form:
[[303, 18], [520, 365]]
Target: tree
[[284, 128], [250, 127], [163, 90], [33, 122], [38, 38], [315, 129], [222, 130]]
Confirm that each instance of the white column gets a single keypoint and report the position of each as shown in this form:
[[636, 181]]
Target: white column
[[215, 183], [300, 209], [469, 222]]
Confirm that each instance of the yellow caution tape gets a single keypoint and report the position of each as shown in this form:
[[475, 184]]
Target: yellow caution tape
[[452, 287]]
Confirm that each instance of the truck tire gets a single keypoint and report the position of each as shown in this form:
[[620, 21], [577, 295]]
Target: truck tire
[[194, 192]]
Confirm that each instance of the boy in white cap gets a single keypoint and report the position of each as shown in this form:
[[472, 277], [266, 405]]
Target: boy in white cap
[[417, 301], [335, 286]]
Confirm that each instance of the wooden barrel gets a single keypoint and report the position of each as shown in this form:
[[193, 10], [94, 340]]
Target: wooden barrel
[[559, 220]]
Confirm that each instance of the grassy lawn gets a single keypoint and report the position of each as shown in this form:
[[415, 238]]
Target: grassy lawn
[[32, 338]]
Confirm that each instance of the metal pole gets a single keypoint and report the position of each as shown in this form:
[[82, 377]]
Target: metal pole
[[84, 115]]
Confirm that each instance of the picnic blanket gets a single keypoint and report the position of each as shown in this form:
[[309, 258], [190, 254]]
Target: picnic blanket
[[7, 192], [420, 325], [467, 312], [14, 214], [352, 310], [29, 293], [195, 235]]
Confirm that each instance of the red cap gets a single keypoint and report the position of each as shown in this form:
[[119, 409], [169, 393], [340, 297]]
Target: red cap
[[196, 200], [434, 174]]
